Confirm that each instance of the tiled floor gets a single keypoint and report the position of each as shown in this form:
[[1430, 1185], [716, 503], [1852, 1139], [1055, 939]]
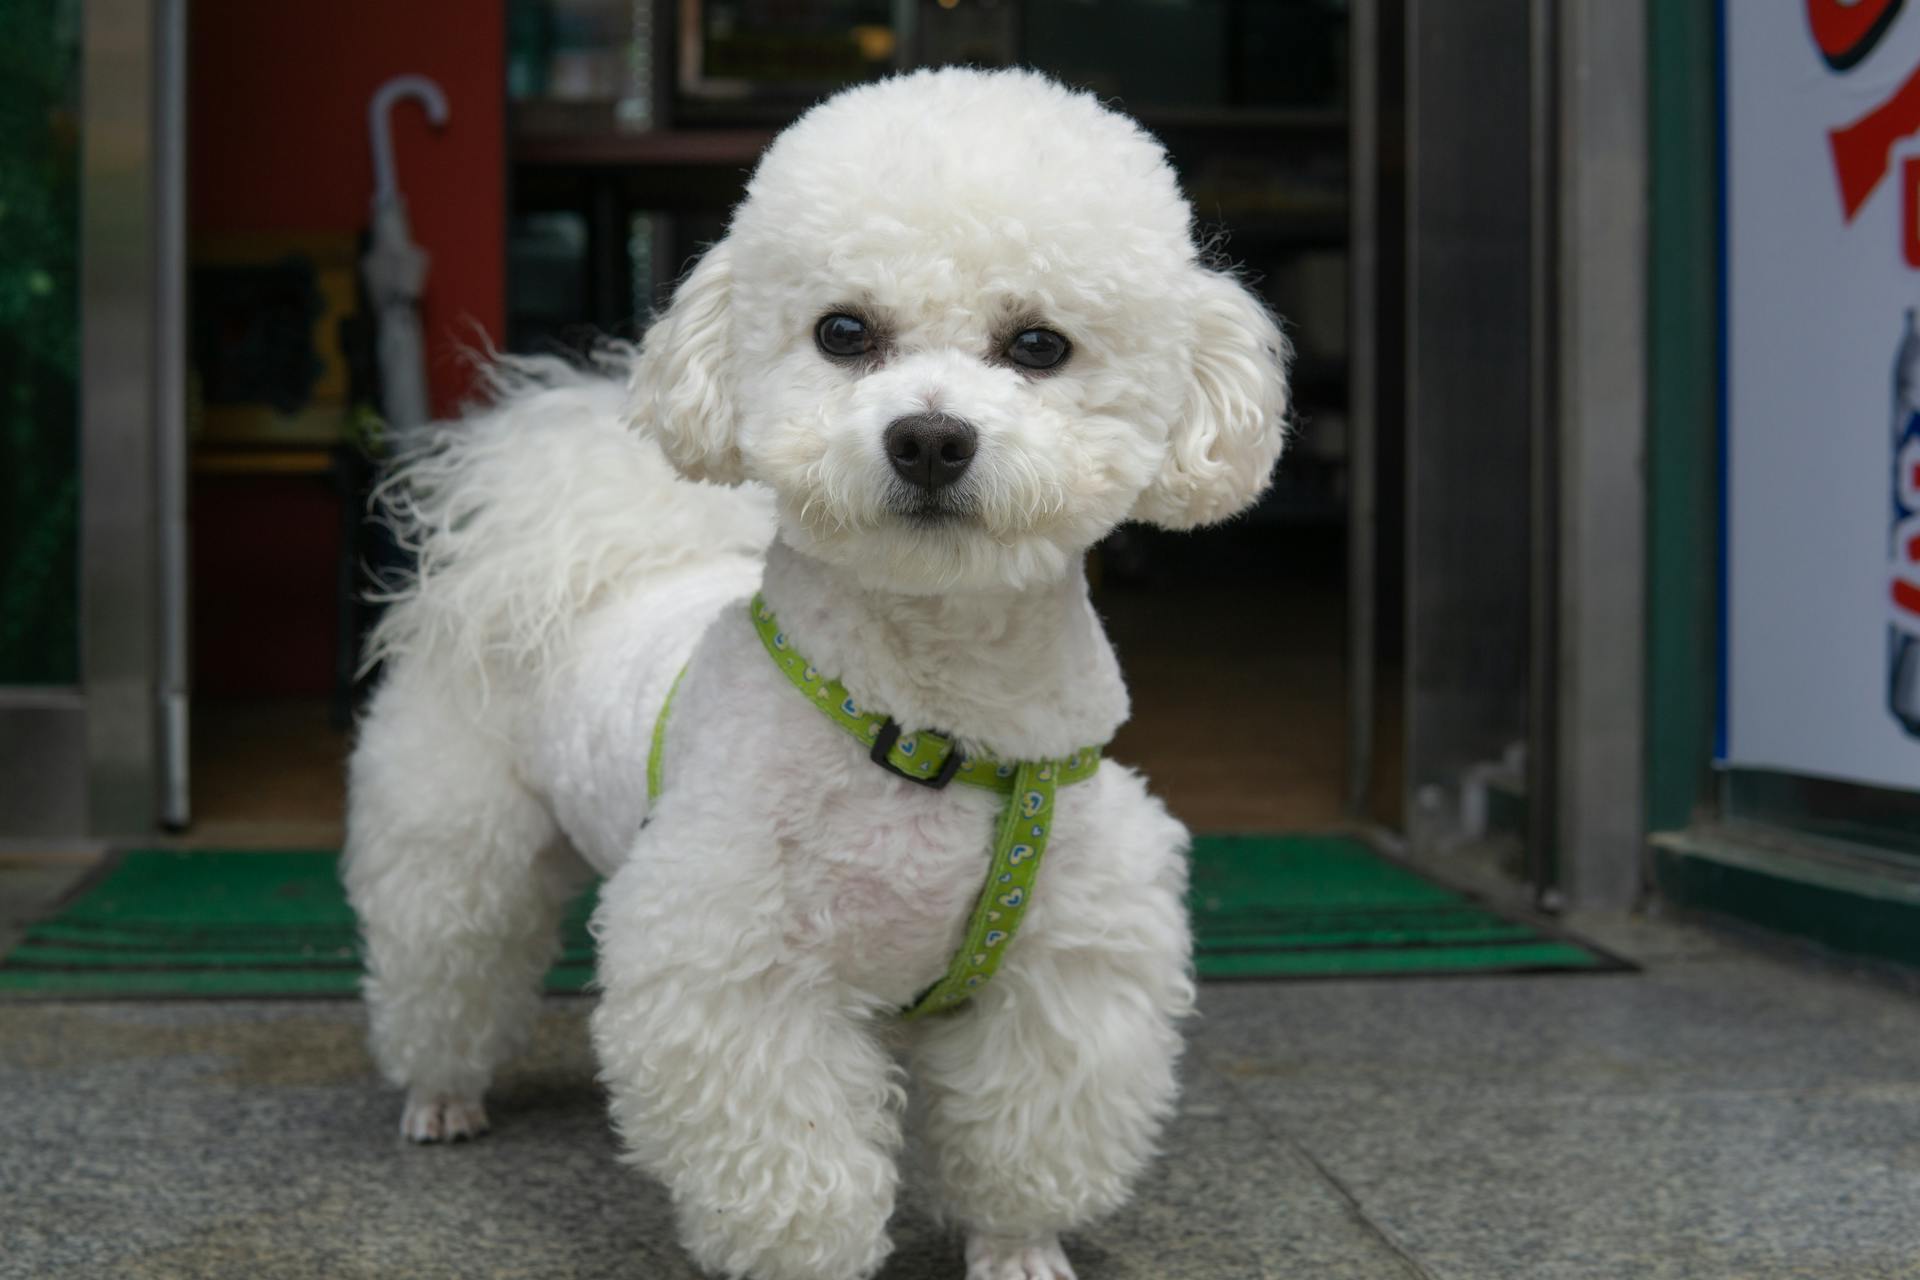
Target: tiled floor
[[1240, 712], [1727, 1114], [267, 772]]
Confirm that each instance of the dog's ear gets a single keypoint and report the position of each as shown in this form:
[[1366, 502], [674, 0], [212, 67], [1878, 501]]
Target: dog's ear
[[682, 389], [1221, 451]]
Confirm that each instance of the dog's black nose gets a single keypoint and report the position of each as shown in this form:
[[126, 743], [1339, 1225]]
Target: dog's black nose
[[930, 450]]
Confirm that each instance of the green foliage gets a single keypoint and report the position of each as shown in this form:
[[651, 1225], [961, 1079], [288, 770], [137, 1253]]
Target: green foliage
[[39, 341]]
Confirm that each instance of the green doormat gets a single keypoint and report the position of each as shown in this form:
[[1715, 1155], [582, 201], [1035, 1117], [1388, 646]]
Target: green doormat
[[235, 923], [1330, 907]]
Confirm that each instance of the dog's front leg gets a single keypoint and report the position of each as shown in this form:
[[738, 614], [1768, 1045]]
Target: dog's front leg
[[1046, 1096], [741, 1073]]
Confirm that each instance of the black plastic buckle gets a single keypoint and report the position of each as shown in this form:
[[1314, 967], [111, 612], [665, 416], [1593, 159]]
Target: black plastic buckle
[[883, 745]]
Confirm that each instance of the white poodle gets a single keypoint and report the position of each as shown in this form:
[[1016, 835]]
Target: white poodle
[[958, 331]]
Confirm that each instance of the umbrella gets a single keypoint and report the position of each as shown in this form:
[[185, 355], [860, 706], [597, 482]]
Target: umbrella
[[396, 268]]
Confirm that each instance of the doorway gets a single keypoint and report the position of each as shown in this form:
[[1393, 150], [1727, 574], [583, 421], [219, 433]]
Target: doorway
[[1237, 640], [1255, 706]]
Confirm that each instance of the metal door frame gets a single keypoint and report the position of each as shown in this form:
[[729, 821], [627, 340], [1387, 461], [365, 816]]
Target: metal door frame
[[108, 757], [1580, 596]]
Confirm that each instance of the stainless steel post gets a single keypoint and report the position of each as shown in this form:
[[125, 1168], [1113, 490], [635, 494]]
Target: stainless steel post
[[1542, 833], [170, 401], [119, 554], [1363, 195], [1599, 780]]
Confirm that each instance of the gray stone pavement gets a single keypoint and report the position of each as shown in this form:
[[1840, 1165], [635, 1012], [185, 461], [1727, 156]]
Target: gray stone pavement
[[1731, 1111]]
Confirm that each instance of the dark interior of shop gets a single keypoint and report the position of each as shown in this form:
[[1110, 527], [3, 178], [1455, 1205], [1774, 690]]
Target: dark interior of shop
[[614, 171]]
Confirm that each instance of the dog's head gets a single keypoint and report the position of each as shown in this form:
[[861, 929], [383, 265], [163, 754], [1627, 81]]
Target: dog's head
[[961, 328]]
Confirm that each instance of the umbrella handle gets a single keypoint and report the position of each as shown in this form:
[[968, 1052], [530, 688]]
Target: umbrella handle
[[386, 189]]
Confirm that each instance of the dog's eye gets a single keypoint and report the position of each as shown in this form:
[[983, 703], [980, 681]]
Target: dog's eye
[[1037, 349], [842, 335]]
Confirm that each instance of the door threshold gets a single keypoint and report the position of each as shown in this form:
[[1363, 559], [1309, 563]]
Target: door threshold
[[1845, 899]]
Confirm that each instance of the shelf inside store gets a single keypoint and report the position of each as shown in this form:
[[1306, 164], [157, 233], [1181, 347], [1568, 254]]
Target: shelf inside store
[[667, 148], [263, 459], [1316, 379], [1307, 124], [1322, 124], [1306, 491], [1310, 486], [586, 134]]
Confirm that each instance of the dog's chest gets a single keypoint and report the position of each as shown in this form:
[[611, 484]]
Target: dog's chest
[[883, 877]]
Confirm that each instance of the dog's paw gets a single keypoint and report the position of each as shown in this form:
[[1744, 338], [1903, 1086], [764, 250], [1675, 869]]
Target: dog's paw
[[998, 1258], [439, 1117]]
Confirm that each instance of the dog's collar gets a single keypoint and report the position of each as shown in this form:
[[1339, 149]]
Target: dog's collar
[[932, 760], [925, 757]]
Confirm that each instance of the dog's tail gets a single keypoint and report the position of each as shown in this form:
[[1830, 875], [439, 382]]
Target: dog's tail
[[522, 515]]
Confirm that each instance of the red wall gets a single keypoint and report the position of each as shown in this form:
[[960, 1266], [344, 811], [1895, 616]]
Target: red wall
[[278, 94], [278, 98], [266, 586]]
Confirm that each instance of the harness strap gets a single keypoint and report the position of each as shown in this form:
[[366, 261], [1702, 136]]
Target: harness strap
[[932, 759], [1017, 850], [656, 755]]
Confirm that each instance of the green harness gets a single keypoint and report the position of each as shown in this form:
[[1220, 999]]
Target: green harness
[[932, 760]]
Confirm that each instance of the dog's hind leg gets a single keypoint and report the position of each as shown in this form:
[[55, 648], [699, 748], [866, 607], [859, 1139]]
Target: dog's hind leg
[[459, 877]]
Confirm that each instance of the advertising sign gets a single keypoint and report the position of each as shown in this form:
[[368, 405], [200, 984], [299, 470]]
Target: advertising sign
[[1821, 199]]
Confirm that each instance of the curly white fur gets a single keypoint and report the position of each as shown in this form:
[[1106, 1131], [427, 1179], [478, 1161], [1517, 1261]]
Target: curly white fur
[[520, 520], [760, 925]]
